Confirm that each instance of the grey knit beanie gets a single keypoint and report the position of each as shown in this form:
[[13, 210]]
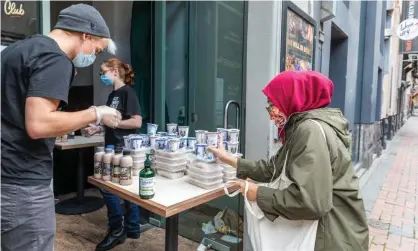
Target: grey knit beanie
[[83, 18]]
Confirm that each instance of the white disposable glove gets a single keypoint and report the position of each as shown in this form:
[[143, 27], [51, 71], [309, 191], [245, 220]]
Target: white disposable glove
[[108, 116]]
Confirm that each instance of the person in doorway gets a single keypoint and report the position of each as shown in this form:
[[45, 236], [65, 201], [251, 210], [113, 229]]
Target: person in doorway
[[115, 73], [323, 185], [36, 74]]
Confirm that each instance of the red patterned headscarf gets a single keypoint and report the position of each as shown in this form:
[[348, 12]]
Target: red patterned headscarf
[[298, 91]]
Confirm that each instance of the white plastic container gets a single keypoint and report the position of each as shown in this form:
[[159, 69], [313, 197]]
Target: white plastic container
[[229, 171], [208, 167], [178, 154], [214, 170], [135, 171], [230, 175], [139, 158], [170, 167], [205, 185], [216, 177], [166, 160], [228, 179], [139, 152], [170, 175], [138, 164]]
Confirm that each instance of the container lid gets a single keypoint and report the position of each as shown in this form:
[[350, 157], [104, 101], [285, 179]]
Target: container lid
[[126, 152], [119, 150], [99, 149], [109, 150], [111, 147]]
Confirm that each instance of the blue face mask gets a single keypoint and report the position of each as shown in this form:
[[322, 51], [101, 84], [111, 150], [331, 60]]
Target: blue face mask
[[105, 80], [83, 60]]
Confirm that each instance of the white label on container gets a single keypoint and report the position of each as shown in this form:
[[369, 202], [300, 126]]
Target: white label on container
[[107, 169], [97, 167], [125, 173], [146, 186], [116, 171]]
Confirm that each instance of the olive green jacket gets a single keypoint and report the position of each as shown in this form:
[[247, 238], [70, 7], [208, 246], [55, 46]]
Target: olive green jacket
[[325, 186]]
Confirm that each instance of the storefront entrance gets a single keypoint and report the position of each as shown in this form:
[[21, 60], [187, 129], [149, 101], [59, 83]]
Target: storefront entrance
[[188, 58]]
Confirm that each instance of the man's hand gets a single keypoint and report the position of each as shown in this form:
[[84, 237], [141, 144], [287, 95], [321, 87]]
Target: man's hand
[[109, 116], [92, 129]]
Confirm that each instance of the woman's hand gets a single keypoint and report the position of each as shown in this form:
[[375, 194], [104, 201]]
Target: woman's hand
[[222, 154], [252, 189]]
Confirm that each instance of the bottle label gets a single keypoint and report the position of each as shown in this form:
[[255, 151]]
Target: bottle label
[[107, 169], [146, 186], [97, 167], [115, 171], [125, 173]]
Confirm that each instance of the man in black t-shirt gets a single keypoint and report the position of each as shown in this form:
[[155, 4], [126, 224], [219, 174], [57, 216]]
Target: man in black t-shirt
[[36, 74]]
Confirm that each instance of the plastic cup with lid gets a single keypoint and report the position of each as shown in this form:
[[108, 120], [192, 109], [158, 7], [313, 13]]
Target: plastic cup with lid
[[173, 145], [172, 128], [152, 128], [184, 131], [233, 135], [191, 143], [201, 136], [200, 151]]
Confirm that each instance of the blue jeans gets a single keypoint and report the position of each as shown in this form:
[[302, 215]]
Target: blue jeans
[[116, 215]]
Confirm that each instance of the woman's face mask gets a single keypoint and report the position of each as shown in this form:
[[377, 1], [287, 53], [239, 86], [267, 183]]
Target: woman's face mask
[[276, 115], [104, 79]]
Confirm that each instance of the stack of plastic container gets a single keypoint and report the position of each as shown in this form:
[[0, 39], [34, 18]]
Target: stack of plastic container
[[229, 173], [205, 175], [138, 157], [171, 165]]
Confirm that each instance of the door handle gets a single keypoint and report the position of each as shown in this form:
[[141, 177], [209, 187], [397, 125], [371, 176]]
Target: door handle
[[194, 117], [237, 109]]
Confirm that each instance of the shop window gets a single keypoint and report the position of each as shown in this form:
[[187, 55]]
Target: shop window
[[388, 23], [19, 20], [386, 45]]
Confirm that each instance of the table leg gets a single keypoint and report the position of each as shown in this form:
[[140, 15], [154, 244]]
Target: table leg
[[80, 204], [80, 175], [172, 233]]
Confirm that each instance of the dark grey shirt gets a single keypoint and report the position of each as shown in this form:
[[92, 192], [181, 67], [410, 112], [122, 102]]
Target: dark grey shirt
[[34, 67]]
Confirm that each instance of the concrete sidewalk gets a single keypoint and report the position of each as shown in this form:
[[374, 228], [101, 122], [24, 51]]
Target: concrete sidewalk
[[390, 195]]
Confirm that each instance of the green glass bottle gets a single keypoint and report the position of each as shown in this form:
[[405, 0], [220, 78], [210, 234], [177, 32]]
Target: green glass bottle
[[147, 180]]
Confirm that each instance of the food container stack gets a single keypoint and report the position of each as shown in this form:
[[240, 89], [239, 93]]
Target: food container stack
[[229, 173], [138, 156], [205, 175], [171, 165]]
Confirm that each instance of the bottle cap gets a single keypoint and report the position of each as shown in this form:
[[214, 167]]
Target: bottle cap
[[99, 149], [148, 162], [119, 150], [126, 152], [109, 150], [111, 147]]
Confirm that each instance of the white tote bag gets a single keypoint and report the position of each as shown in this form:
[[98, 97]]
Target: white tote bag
[[281, 234]]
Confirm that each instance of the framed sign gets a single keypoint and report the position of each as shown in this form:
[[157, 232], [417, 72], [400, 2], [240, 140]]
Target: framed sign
[[298, 39]]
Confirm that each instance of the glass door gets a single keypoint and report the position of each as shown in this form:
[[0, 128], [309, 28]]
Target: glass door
[[216, 69], [198, 68]]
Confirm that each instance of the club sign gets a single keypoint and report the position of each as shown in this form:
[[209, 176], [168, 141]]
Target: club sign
[[12, 9]]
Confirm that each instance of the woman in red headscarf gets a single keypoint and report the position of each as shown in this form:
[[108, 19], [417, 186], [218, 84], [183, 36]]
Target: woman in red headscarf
[[323, 185]]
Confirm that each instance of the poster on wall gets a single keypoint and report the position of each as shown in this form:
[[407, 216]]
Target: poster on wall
[[298, 48], [299, 43]]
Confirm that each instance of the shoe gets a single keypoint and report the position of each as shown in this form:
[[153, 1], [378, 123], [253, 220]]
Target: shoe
[[133, 235], [113, 238]]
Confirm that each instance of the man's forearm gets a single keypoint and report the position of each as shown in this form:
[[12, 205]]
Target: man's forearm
[[131, 123], [59, 123]]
